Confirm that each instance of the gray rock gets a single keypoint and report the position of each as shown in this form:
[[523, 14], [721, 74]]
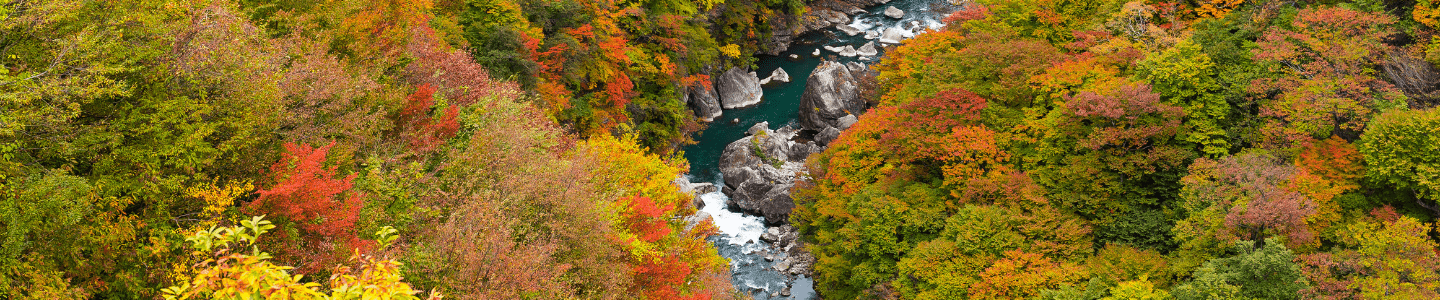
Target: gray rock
[[801, 151], [794, 56], [696, 219], [848, 30], [846, 121], [833, 49], [856, 69], [704, 188], [892, 35], [848, 51], [779, 75], [703, 102], [738, 88], [683, 184], [870, 35], [759, 171], [816, 53], [831, 92], [834, 17], [771, 235], [855, 11], [784, 29], [829, 134], [758, 127], [867, 50], [694, 190], [894, 12], [783, 265]]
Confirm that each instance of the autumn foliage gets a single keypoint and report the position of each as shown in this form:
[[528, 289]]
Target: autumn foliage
[[1137, 150], [315, 208], [423, 131]]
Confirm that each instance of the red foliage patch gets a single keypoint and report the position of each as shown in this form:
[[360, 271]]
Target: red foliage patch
[[311, 199]]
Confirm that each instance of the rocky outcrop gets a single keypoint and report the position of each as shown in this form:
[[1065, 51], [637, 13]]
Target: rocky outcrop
[[848, 51], [760, 169], [738, 88], [894, 12], [703, 102], [867, 50], [831, 92], [851, 31]]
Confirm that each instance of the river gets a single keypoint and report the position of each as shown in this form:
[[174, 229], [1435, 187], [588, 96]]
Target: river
[[739, 238]]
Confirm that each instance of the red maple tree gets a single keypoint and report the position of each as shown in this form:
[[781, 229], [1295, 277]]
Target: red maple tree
[[314, 206]]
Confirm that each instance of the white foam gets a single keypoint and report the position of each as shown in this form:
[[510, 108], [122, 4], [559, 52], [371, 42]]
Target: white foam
[[861, 24], [736, 227]]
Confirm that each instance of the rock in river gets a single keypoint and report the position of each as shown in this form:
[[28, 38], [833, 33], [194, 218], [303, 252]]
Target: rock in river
[[831, 92], [702, 100], [779, 75], [738, 88], [760, 169], [892, 35], [867, 50], [894, 12]]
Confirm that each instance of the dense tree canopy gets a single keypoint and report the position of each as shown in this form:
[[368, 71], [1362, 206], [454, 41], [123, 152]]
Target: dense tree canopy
[[1140, 150], [526, 149]]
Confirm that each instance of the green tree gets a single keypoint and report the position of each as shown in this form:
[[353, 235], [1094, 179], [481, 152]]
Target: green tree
[[1267, 272], [1402, 149], [1187, 77]]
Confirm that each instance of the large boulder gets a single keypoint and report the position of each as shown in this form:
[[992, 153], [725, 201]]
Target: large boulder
[[831, 92], [829, 134], [870, 35], [738, 88], [848, 51], [851, 31], [702, 100], [894, 12], [868, 50], [892, 35], [760, 169], [779, 75]]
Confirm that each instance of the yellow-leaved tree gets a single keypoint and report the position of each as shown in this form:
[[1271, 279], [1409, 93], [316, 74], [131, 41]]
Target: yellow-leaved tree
[[235, 272]]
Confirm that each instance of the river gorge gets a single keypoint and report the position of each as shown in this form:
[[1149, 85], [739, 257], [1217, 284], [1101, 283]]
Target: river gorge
[[757, 259]]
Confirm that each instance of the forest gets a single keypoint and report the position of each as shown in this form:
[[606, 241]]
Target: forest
[[529, 149]]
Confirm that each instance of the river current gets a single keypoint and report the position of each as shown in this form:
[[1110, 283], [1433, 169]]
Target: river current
[[739, 238]]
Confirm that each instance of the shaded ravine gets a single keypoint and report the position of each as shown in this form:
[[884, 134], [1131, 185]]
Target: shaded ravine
[[739, 239]]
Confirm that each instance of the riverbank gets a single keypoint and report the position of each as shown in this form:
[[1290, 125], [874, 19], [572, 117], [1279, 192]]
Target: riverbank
[[775, 266]]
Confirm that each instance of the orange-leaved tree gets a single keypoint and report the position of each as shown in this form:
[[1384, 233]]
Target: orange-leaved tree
[[313, 207]]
